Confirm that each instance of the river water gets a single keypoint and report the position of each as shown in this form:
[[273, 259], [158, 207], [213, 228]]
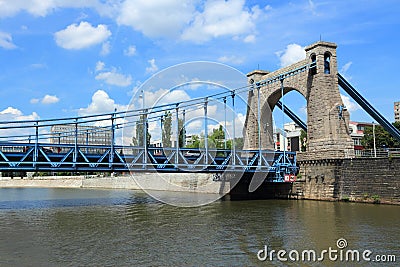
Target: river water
[[82, 227]]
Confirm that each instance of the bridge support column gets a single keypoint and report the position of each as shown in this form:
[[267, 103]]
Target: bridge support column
[[316, 78], [256, 115], [327, 119]]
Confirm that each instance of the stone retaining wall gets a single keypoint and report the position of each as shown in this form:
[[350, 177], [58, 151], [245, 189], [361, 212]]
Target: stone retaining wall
[[374, 180], [183, 182]]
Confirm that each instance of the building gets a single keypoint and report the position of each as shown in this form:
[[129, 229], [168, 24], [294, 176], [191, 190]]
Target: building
[[293, 132], [397, 111], [158, 142], [357, 133], [87, 135], [289, 139]]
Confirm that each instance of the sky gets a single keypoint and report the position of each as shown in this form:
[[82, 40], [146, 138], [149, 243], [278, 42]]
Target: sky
[[63, 58]]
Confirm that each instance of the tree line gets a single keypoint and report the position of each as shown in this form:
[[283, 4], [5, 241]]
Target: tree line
[[216, 139]]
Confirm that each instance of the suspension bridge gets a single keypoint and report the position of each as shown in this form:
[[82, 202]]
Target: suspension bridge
[[66, 144]]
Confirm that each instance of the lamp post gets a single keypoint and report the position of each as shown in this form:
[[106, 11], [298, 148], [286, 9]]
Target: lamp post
[[144, 121], [373, 133], [142, 97]]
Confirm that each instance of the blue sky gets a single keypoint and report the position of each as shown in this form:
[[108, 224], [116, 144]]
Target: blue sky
[[66, 58]]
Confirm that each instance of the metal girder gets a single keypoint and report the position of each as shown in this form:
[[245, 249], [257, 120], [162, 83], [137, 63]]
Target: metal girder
[[368, 107], [134, 160], [292, 115]]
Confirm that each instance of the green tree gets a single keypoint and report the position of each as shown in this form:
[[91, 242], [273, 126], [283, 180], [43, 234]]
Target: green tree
[[134, 141], [139, 133], [167, 129], [217, 138], [198, 141], [382, 137], [182, 133], [303, 140], [195, 142]]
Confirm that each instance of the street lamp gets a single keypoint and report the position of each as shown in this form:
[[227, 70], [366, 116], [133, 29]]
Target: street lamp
[[144, 121], [373, 133], [142, 97]]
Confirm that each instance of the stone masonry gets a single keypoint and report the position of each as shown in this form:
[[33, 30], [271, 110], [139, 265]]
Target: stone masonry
[[353, 179], [328, 133]]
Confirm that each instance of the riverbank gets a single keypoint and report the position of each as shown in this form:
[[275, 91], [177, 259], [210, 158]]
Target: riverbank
[[195, 183], [185, 182]]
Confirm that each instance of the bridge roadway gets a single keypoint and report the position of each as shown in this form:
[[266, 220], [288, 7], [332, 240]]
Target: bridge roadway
[[28, 157]]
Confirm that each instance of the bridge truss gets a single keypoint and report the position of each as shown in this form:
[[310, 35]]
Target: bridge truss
[[100, 158], [31, 146]]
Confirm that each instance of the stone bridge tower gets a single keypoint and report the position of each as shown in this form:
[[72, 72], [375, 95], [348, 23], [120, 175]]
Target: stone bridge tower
[[328, 131]]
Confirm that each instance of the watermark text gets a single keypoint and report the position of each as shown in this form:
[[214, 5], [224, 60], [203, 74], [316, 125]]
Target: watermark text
[[338, 253]]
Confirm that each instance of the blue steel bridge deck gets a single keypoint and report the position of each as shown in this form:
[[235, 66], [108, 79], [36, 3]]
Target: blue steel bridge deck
[[47, 157]]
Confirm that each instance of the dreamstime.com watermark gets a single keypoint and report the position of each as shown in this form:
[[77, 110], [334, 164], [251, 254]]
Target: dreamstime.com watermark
[[336, 254]]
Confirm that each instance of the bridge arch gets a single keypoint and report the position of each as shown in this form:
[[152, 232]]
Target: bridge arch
[[316, 79], [274, 97]]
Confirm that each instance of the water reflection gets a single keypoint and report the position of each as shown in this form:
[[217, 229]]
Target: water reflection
[[70, 227]]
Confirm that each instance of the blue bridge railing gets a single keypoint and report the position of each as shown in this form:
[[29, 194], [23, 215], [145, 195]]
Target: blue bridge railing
[[32, 157]]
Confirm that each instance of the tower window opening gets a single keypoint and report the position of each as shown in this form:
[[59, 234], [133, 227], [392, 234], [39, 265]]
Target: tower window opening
[[313, 64], [327, 63]]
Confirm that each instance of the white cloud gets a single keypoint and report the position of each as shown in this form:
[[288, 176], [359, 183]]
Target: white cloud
[[100, 65], [6, 41], [105, 49], [50, 99], [351, 106], [164, 96], [130, 51], [156, 18], [43, 7], [35, 100], [35, 7], [196, 21], [81, 36], [13, 114], [38, 66], [153, 67], [231, 59], [292, 54], [174, 18], [346, 67], [194, 126], [46, 100], [303, 110], [222, 18], [250, 38], [312, 7], [239, 124], [101, 103], [11, 111], [114, 78], [195, 122]]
